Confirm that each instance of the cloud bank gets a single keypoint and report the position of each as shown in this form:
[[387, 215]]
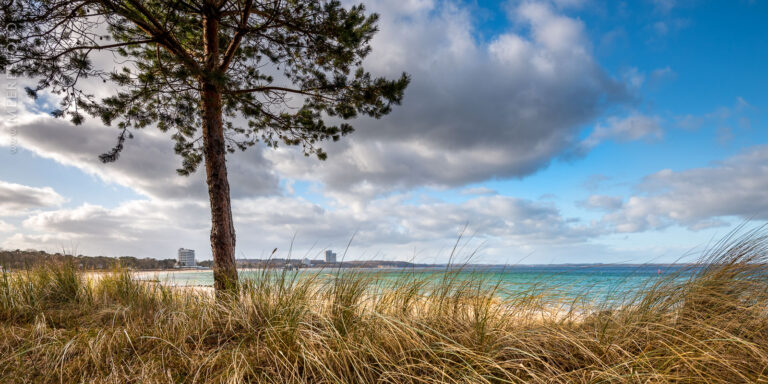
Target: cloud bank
[[476, 110], [697, 198]]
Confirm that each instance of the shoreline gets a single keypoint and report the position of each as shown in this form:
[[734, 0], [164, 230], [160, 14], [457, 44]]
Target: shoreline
[[59, 320]]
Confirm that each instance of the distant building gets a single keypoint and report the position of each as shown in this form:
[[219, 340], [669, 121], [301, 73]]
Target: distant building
[[186, 258], [307, 262], [330, 257]]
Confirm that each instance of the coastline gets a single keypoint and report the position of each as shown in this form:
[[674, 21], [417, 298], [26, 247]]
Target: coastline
[[60, 320]]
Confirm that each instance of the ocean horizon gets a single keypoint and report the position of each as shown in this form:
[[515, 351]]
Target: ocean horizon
[[592, 282]]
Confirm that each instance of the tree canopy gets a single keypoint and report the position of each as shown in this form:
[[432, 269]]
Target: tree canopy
[[284, 67], [220, 75]]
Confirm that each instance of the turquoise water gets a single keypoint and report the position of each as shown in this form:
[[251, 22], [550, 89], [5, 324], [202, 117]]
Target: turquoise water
[[582, 281]]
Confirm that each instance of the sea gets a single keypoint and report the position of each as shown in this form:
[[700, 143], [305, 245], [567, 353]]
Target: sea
[[593, 282]]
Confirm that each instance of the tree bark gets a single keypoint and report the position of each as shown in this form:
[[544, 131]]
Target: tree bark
[[214, 149], [222, 225]]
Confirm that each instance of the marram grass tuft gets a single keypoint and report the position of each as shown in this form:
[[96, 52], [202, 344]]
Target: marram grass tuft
[[708, 324]]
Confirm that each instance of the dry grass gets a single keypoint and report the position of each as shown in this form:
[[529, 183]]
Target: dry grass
[[56, 326]]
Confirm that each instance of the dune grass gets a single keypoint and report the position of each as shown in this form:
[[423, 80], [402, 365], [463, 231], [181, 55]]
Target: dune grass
[[58, 326]]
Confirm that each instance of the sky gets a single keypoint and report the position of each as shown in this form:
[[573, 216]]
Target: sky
[[543, 131]]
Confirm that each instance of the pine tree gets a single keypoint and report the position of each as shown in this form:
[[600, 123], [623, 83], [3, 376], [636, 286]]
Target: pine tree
[[195, 68]]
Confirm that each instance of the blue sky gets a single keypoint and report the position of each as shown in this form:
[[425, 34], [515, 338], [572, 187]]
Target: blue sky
[[557, 131]]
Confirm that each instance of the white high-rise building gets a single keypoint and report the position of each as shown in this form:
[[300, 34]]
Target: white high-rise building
[[330, 257], [186, 258]]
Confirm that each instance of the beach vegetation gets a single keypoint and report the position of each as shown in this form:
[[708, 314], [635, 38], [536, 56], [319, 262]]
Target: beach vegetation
[[707, 322]]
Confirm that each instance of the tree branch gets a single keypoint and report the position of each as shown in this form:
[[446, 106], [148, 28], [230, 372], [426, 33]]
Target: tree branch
[[157, 30], [229, 54], [100, 47], [273, 88]]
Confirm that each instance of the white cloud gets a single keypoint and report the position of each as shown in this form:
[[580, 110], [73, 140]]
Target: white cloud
[[6, 227], [602, 202], [414, 6], [699, 198], [147, 164], [556, 33], [633, 77], [737, 115], [479, 191], [141, 228], [570, 3], [660, 74], [630, 128], [474, 110], [593, 182], [17, 199], [155, 229]]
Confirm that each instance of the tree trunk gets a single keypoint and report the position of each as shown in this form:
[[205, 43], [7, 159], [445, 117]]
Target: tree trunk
[[222, 226], [214, 149]]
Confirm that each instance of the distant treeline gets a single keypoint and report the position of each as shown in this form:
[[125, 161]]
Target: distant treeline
[[19, 259]]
